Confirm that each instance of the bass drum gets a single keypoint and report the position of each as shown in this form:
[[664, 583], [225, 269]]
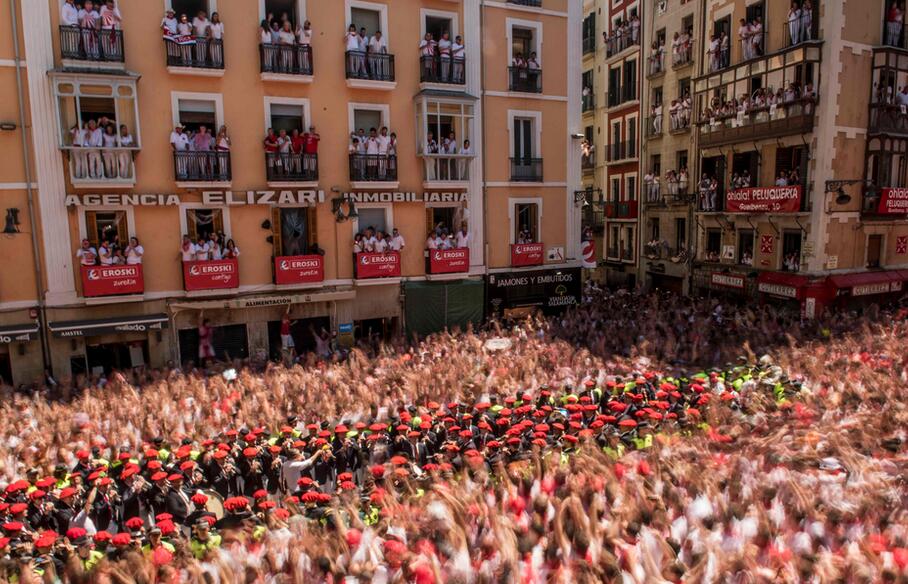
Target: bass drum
[[215, 503]]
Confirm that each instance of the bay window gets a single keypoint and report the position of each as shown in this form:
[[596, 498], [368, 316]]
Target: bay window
[[445, 134]]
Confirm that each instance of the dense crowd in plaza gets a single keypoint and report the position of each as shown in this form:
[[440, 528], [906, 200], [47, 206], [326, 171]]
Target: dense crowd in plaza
[[598, 446]]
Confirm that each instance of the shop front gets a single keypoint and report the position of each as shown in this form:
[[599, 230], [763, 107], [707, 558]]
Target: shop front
[[103, 345], [666, 276], [515, 295], [864, 288], [809, 295], [15, 342]]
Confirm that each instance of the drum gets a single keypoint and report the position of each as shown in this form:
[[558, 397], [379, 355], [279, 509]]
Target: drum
[[215, 503]]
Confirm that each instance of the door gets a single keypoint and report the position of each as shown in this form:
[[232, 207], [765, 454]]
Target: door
[[523, 138], [302, 330], [365, 120], [874, 250], [6, 370]]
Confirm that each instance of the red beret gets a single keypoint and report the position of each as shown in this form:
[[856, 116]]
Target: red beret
[[121, 539], [102, 536], [134, 523], [199, 499], [67, 492], [159, 476]]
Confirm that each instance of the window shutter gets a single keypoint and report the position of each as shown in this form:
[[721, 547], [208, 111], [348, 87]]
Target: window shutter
[[191, 230], [276, 226], [311, 226], [122, 228], [91, 227], [217, 222], [430, 220]]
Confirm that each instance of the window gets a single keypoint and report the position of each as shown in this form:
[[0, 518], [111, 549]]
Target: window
[[109, 226], [654, 234], [522, 41], [613, 242], [438, 25], [447, 219], [447, 120], [195, 113], [630, 190], [791, 165], [744, 165], [874, 250], [524, 138], [79, 103], [526, 222], [687, 24], [189, 7], [629, 81], [713, 244], [791, 250], [627, 244], [631, 151], [374, 218], [366, 18], [614, 86], [285, 10], [616, 190], [589, 26], [660, 37], [365, 120], [287, 117], [657, 96], [680, 234], [745, 247], [294, 230], [616, 135], [201, 223], [655, 165], [684, 87], [681, 159]]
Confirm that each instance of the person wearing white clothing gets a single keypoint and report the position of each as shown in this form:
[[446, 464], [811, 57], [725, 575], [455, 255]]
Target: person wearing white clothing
[[105, 255], [78, 153], [463, 163], [94, 140], [69, 14], [369, 241], [89, 22], [200, 26], [458, 55], [381, 244], [202, 249], [286, 40], [794, 24], [109, 138], [444, 52], [187, 249], [378, 68], [216, 33], [134, 252], [427, 56], [124, 159], [396, 243], [356, 60], [304, 47], [463, 238], [87, 254], [169, 24]]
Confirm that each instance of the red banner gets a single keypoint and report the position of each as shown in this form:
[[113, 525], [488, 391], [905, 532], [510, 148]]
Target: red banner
[[527, 254], [112, 280], [211, 275], [764, 200], [299, 269], [893, 202], [449, 261], [378, 265]]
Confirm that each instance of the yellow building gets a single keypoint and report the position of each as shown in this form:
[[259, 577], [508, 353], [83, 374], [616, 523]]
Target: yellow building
[[292, 208]]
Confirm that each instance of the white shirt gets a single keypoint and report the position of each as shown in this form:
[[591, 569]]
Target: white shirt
[[216, 29], [381, 245], [397, 242], [134, 255], [467, 151], [170, 24], [188, 253], [110, 140], [110, 18], [69, 15], [179, 140], [426, 48], [184, 28], [304, 37], [215, 250], [286, 37], [126, 140], [78, 137], [201, 251], [352, 41], [462, 239], [377, 45], [200, 26], [457, 50], [384, 143], [266, 37], [88, 19], [87, 256], [369, 244], [106, 256], [95, 137], [444, 48], [371, 145]]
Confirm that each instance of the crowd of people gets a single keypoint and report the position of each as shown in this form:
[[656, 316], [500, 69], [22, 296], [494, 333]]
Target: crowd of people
[[592, 447], [441, 237], [373, 156], [442, 61], [101, 149], [675, 183], [895, 21], [800, 22], [682, 47], [292, 154], [200, 154], [367, 56], [718, 52], [88, 20], [678, 114], [193, 43], [110, 252], [624, 34], [372, 240], [762, 106], [286, 48], [708, 192], [208, 247]]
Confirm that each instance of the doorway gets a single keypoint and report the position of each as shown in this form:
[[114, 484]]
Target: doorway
[[6, 370], [438, 25], [106, 357], [368, 19], [230, 342], [189, 7], [302, 330], [365, 120]]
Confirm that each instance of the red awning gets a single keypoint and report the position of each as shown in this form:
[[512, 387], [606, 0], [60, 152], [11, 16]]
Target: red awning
[[783, 278], [865, 278]]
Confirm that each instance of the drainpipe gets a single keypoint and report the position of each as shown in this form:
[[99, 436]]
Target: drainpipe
[[36, 249]]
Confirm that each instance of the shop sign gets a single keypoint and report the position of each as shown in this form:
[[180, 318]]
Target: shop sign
[[299, 269], [299, 198], [547, 289], [407, 197], [112, 280], [877, 288], [449, 261], [893, 202], [777, 290], [86, 328], [527, 254], [764, 200], [377, 265], [21, 334], [211, 275], [735, 281]]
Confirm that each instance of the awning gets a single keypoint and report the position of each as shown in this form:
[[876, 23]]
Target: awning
[[103, 326], [781, 284], [868, 283], [20, 333]]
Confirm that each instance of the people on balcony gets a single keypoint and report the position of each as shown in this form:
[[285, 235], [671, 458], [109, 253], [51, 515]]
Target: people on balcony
[[764, 105], [651, 185], [741, 180], [657, 57], [69, 13], [751, 36], [94, 150], [800, 22], [679, 113], [718, 52], [458, 55], [656, 116], [708, 189], [189, 42], [681, 47], [87, 254], [211, 247], [134, 252], [396, 241], [895, 18]]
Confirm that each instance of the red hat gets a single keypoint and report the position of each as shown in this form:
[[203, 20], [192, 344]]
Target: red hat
[[377, 427], [18, 508], [12, 526], [398, 460], [134, 523], [159, 476], [266, 505], [128, 471], [154, 465], [163, 517], [167, 527], [46, 483], [187, 465], [121, 539], [250, 452], [82, 454], [341, 429], [46, 540], [347, 485], [37, 494], [151, 453], [175, 477], [102, 536], [305, 482], [220, 454], [628, 423], [67, 492], [236, 503], [260, 494], [74, 533], [378, 471], [199, 499]]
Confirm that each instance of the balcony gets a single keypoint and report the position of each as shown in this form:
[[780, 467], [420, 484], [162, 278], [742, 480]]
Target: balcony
[[524, 80], [286, 63], [621, 210], [526, 170], [101, 281], [593, 216], [100, 168], [684, 56], [719, 59], [447, 71], [886, 118], [373, 168], [100, 49], [679, 120], [368, 266], [370, 70], [627, 254], [806, 29], [527, 254], [621, 151], [201, 167], [195, 56], [587, 102], [446, 170], [588, 162], [204, 275], [620, 95], [794, 117], [589, 44], [448, 261], [296, 270], [655, 64], [656, 196], [885, 203], [794, 198], [290, 167], [617, 43], [652, 126]]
